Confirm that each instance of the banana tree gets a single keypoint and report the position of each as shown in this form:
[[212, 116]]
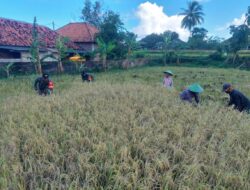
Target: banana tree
[[62, 51], [34, 48], [104, 49], [7, 69]]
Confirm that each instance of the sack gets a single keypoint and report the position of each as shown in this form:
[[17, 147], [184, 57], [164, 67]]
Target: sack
[[51, 85]]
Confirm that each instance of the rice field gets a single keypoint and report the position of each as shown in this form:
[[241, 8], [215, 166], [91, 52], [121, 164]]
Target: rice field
[[124, 131]]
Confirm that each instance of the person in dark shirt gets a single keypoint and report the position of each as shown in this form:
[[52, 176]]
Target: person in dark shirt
[[237, 99], [192, 92], [87, 77], [41, 84]]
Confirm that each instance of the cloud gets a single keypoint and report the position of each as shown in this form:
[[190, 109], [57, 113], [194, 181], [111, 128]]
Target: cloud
[[239, 21], [225, 28], [152, 19], [223, 31]]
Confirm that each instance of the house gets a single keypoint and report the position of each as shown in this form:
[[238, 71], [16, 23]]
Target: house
[[16, 39], [82, 34]]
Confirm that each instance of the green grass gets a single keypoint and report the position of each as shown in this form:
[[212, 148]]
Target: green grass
[[124, 131]]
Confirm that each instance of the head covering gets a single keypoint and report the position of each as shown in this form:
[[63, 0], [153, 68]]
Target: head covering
[[195, 88], [226, 86], [169, 72], [45, 75]]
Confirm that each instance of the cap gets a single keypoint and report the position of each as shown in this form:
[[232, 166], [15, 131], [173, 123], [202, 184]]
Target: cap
[[226, 86]]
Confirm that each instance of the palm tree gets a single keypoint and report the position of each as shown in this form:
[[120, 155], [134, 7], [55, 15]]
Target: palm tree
[[193, 15]]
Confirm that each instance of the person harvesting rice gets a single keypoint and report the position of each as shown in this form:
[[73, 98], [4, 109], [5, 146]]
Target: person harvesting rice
[[238, 100], [192, 92]]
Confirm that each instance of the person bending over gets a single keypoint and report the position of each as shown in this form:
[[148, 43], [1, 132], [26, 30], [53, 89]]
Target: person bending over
[[238, 100]]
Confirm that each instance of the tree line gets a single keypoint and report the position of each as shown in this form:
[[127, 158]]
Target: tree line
[[114, 41]]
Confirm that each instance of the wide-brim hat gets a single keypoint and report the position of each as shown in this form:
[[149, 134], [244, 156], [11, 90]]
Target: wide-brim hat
[[195, 88], [169, 72]]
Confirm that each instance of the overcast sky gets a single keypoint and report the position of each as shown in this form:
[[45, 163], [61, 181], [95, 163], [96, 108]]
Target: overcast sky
[[140, 16]]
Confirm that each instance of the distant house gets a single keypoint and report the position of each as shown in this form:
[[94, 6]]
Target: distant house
[[82, 34]]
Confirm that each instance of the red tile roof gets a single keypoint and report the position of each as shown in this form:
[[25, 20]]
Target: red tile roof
[[16, 33], [79, 32]]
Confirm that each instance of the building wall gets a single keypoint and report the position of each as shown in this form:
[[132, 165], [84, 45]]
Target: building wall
[[25, 56]]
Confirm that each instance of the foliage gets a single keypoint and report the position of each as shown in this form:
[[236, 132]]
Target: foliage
[[198, 38], [34, 48], [85, 137], [7, 68], [111, 27], [62, 50], [112, 31], [239, 39], [215, 43], [92, 13], [130, 43], [151, 41], [193, 15], [104, 49], [248, 16]]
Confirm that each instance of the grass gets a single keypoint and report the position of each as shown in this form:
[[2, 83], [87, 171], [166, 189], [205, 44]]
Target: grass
[[124, 132]]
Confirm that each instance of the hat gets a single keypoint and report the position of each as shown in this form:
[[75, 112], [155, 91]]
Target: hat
[[45, 75], [169, 72], [195, 88], [226, 86]]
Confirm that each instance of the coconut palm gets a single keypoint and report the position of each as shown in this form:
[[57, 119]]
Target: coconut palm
[[193, 15]]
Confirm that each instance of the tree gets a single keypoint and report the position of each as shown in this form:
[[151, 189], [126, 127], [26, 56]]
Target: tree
[[92, 13], [112, 31], [34, 48], [152, 41], [248, 22], [62, 51], [193, 15], [168, 37], [130, 42], [215, 43], [171, 45], [248, 16], [239, 39], [198, 38], [111, 27], [104, 49]]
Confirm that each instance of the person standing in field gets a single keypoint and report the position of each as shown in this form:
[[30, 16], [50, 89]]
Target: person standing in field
[[168, 80], [42, 84], [237, 99], [192, 92]]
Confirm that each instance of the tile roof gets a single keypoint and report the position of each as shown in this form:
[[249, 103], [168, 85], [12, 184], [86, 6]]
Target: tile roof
[[79, 32], [17, 33]]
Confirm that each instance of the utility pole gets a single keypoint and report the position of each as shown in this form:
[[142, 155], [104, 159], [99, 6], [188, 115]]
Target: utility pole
[[53, 25]]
